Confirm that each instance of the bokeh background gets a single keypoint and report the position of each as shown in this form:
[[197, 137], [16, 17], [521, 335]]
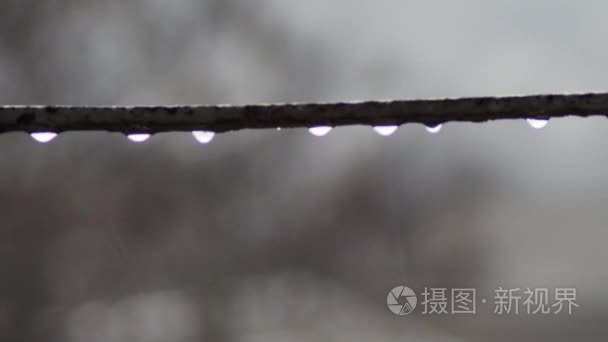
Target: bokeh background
[[268, 234]]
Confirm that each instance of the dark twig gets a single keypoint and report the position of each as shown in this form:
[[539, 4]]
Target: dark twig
[[230, 118]]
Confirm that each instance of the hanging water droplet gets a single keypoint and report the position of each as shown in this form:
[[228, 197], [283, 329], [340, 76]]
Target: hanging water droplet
[[138, 137], [320, 131], [434, 129], [203, 137], [43, 137], [278, 128], [537, 123], [385, 130]]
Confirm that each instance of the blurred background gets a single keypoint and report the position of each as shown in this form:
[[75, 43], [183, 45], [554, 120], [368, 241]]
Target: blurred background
[[278, 234]]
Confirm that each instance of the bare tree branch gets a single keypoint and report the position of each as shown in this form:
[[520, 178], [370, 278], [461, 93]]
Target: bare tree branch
[[229, 118]]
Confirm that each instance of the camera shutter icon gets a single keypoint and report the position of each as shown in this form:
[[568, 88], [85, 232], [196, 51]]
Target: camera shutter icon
[[401, 300]]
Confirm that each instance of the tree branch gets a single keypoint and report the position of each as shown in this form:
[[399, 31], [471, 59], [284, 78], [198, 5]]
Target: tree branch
[[229, 118]]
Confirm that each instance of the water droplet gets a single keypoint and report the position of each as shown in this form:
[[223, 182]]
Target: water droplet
[[434, 129], [203, 137], [537, 123], [138, 137], [43, 137], [278, 128], [320, 131], [385, 130]]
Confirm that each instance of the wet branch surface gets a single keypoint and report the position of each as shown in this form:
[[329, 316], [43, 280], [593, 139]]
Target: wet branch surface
[[155, 119]]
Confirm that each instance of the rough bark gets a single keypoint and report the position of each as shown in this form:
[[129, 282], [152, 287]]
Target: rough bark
[[229, 118]]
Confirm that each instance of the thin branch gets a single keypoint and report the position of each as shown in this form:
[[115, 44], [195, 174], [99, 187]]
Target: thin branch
[[230, 118]]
